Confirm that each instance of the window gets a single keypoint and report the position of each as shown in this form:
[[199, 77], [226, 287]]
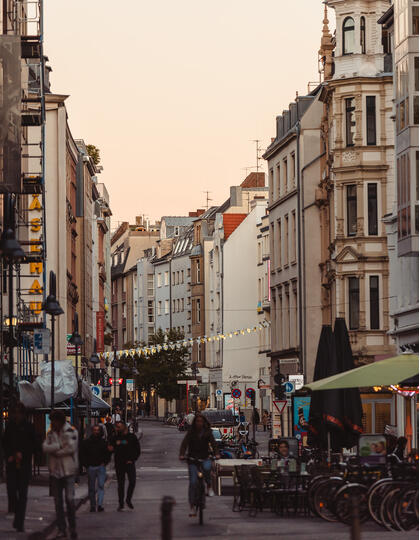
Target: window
[[271, 181], [348, 35], [351, 210], [166, 278], [372, 209], [416, 110], [177, 278], [188, 272], [150, 284], [354, 301], [363, 34], [285, 175], [182, 276], [159, 280], [182, 304], [293, 169], [286, 240], [293, 245], [416, 73], [403, 195], [166, 307], [371, 120], [150, 311], [124, 310], [415, 14], [198, 311], [278, 180], [198, 268], [374, 302], [350, 121], [277, 245], [173, 306], [173, 278], [159, 310]]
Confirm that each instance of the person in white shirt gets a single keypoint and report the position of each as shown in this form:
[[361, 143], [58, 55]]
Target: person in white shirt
[[116, 417]]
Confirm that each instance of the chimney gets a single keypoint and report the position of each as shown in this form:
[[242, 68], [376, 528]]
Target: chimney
[[235, 196], [139, 221], [197, 213]]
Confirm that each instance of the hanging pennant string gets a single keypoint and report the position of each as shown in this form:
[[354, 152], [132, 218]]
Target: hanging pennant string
[[186, 342]]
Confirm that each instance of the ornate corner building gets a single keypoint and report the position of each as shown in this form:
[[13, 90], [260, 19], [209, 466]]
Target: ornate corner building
[[357, 184]]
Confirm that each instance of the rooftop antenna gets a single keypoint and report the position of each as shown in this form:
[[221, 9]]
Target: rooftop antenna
[[208, 199], [258, 150]]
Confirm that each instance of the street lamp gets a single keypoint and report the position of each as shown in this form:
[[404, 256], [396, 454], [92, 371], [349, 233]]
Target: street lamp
[[53, 308], [77, 341], [115, 365], [94, 359]]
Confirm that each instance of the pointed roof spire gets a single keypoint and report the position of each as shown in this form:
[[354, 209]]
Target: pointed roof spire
[[327, 46]]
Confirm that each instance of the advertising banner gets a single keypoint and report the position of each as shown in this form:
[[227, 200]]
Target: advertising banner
[[300, 417]]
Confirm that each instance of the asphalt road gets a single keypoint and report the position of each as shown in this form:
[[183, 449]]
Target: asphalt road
[[160, 473]]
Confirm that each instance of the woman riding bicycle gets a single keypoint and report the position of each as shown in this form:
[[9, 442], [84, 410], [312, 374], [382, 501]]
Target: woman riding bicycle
[[199, 443]]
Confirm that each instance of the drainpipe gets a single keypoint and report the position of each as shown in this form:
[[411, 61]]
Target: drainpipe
[[299, 235], [170, 294]]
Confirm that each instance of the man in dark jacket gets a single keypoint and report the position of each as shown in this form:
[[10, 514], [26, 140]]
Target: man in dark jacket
[[20, 443], [94, 455], [126, 450]]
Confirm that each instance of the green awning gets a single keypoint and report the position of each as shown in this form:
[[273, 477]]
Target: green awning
[[382, 373]]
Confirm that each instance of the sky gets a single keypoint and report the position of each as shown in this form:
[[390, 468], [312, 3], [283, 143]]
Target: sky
[[173, 92]]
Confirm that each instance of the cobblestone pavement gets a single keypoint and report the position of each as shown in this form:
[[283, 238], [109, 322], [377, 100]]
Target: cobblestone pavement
[[159, 473]]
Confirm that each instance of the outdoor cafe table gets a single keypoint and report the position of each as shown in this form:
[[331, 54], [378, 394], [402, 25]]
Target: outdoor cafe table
[[226, 467]]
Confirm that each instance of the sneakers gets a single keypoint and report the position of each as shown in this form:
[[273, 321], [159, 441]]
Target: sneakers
[[120, 508], [210, 492], [61, 534], [193, 512], [130, 505], [100, 509]]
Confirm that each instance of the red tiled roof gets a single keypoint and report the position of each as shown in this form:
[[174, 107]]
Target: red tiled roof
[[231, 222], [254, 179]]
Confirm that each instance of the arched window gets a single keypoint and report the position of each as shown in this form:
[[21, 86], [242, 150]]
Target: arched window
[[363, 34], [348, 35]]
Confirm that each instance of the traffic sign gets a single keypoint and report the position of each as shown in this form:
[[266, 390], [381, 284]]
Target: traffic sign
[[250, 393], [129, 385], [96, 391], [280, 404], [289, 387], [219, 392], [236, 393], [42, 341], [297, 380]]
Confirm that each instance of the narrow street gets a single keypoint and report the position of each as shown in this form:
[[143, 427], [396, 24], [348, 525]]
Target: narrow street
[[159, 473]]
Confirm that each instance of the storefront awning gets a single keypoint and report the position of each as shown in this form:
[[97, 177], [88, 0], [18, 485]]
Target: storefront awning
[[383, 373]]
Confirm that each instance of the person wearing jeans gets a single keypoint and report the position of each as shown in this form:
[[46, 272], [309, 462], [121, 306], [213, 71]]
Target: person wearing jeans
[[61, 446], [126, 450], [193, 473], [94, 456]]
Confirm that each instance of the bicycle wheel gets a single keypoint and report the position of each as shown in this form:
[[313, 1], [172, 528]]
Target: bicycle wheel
[[386, 510], [324, 496], [344, 500], [376, 494], [404, 514], [316, 480]]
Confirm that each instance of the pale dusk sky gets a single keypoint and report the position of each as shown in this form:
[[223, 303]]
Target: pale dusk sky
[[174, 91]]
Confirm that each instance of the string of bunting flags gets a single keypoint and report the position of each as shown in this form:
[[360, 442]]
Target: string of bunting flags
[[187, 342]]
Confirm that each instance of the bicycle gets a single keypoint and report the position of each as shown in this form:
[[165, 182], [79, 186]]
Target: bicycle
[[200, 494]]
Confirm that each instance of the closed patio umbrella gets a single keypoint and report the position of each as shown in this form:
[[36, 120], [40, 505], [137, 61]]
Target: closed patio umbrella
[[326, 410], [352, 404]]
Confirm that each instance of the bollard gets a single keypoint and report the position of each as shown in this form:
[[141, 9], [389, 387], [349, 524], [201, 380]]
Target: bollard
[[166, 517], [355, 519]]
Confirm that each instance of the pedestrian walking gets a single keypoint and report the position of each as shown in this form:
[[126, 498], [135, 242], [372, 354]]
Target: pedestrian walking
[[94, 455], [116, 417], [256, 417], [126, 450], [20, 443], [61, 446], [265, 419], [110, 428]]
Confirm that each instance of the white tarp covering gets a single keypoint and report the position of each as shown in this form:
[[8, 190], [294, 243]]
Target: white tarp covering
[[38, 393]]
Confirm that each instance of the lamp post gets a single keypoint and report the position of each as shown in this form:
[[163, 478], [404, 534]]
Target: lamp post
[[94, 359], [77, 341], [53, 308], [115, 365]]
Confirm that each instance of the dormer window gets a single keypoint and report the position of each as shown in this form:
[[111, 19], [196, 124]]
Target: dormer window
[[363, 34], [348, 36]]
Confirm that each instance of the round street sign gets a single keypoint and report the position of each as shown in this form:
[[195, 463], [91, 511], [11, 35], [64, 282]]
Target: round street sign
[[289, 387], [236, 393], [219, 392], [250, 393]]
